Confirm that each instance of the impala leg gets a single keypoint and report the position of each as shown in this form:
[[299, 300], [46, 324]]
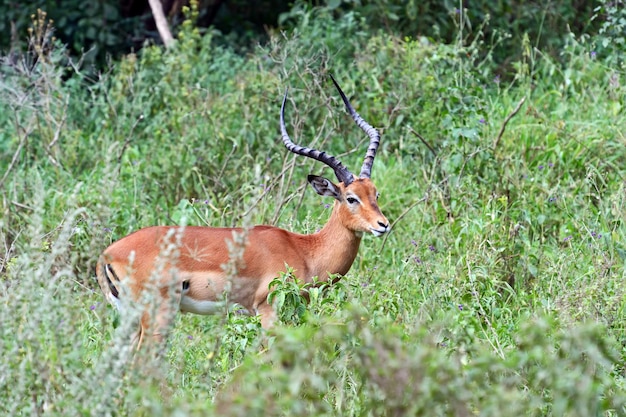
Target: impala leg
[[165, 316], [137, 339], [157, 328], [267, 313], [166, 312]]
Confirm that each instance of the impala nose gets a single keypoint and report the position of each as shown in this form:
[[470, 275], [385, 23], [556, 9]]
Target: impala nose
[[384, 228]]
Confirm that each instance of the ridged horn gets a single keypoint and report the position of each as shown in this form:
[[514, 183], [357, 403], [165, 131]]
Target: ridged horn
[[342, 173], [366, 169]]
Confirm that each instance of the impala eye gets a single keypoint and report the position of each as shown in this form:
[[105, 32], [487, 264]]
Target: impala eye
[[352, 200]]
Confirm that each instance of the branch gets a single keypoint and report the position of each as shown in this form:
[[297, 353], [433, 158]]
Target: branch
[[430, 148], [57, 133], [129, 138], [400, 217], [506, 121], [161, 22], [15, 157]]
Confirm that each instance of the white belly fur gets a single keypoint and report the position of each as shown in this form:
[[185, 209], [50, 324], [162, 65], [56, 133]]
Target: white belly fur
[[190, 305]]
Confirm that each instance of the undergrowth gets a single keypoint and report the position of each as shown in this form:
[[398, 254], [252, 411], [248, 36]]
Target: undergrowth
[[499, 290]]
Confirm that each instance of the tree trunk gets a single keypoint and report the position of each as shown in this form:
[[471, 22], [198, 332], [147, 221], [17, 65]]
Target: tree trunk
[[161, 22]]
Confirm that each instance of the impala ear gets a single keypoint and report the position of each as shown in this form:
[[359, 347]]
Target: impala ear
[[324, 186]]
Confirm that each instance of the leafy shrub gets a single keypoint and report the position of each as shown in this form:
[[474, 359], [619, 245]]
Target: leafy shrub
[[500, 26], [353, 369]]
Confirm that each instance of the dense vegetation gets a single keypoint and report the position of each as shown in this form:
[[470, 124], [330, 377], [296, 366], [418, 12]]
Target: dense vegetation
[[500, 290], [96, 31]]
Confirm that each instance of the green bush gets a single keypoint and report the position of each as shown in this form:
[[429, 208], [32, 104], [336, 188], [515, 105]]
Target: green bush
[[498, 26]]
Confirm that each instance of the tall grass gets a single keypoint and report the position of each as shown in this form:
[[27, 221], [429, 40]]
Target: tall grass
[[498, 292]]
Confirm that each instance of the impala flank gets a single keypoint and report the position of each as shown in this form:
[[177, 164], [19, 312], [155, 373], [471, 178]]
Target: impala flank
[[183, 268]]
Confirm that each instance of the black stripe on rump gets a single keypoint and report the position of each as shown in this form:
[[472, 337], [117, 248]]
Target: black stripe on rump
[[112, 287]]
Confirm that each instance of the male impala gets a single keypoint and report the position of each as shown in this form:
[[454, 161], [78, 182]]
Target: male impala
[[191, 276]]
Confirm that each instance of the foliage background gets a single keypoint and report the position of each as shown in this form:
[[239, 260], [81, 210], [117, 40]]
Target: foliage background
[[96, 31], [500, 290]]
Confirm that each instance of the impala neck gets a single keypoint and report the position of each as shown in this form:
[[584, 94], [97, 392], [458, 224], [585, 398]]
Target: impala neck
[[335, 247]]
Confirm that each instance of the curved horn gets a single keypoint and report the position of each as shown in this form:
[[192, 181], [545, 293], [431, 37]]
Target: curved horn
[[342, 173], [366, 169]]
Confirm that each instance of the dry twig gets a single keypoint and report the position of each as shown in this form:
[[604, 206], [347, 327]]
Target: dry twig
[[430, 148], [506, 121]]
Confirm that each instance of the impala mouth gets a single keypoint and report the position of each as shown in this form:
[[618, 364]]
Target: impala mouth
[[379, 232]]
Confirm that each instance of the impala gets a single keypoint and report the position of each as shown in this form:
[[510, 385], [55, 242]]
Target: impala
[[183, 268]]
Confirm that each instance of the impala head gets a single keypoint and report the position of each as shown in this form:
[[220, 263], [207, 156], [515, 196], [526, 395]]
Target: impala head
[[355, 197]]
